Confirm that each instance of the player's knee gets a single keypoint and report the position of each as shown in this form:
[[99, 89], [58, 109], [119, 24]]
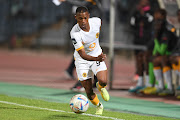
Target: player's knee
[[103, 82]]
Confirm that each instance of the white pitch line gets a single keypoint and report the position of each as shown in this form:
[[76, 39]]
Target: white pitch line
[[11, 103]]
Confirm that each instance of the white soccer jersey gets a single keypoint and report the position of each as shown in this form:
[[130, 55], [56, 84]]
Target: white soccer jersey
[[87, 40]]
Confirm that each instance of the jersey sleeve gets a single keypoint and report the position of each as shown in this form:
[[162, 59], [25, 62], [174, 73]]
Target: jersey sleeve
[[99, 22], [77, 42]]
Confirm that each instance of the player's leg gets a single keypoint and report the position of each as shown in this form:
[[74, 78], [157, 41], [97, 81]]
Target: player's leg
[[139, 72], [102, 78], [85, 75], [70, 69], [148, 67], [146, 59], [140, 69], [167, 76], [100, 70], [136, 76], [158, 74], [87, 84]]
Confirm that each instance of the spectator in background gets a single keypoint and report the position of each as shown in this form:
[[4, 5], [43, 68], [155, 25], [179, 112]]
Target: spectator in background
[[175, 56], [124, 7], [164, 42], [22, 17], [141, 22]]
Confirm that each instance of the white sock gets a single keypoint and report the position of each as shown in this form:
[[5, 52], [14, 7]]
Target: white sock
[[168, 79], [140, 81], [99, 105], [159, 78], [147, 83], [176, 72]]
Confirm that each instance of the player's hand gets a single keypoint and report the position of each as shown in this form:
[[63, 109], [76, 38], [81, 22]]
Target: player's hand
[[101, 57]]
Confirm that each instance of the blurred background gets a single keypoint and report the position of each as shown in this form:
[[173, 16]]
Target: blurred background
[[40, 25]]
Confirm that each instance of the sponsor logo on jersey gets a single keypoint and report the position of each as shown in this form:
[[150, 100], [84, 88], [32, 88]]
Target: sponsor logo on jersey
[[92, 46]]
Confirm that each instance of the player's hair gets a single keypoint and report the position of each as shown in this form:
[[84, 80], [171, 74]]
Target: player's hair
[[81, 9]]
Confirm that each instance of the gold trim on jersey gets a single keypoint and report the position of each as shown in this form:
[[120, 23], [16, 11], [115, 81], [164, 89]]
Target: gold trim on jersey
[[80, 48], [92, 1]]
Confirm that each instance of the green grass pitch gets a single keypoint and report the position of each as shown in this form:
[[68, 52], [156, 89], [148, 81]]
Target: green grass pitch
[[18, 108]]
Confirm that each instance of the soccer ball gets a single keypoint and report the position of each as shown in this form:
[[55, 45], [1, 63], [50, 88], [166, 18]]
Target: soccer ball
[[79, 103]]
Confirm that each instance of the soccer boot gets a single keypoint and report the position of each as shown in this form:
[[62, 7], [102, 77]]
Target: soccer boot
[[150, 91], [144, 89], [99, 109], [134, 90], [104, 92], [154, 91]]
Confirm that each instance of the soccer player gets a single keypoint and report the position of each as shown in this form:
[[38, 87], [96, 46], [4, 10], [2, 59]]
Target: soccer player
[[95, 10], [88, 55], [175, 57], [164, 41]]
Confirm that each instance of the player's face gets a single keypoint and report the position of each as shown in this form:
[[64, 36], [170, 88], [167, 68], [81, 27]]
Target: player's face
[[144, 3], [158, 20], [82, 20]]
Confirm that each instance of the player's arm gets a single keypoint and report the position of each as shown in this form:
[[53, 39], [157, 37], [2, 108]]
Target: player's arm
[[83, 54], [77, 42]]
